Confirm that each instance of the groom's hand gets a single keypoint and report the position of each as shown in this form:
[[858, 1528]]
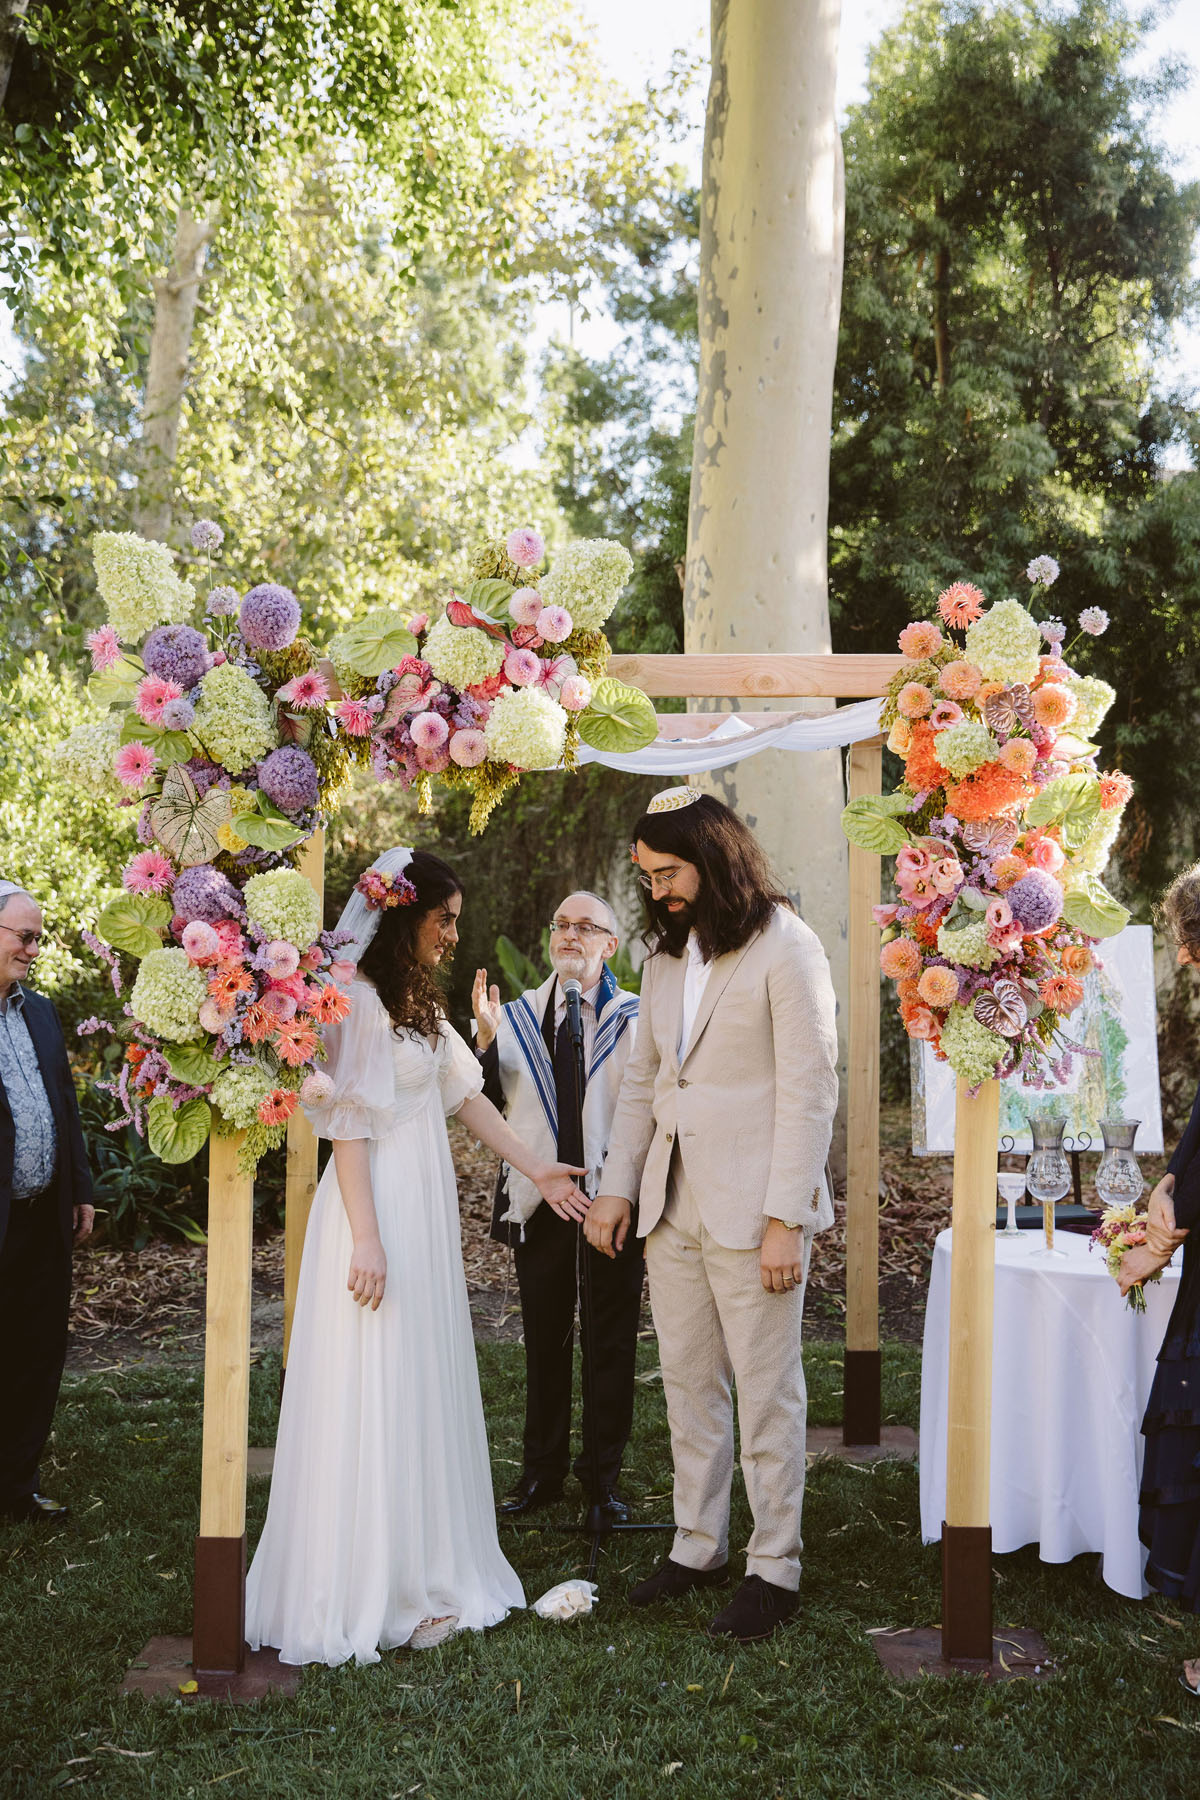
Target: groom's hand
[[607, 1224], [781, 1259], [485, 1004]]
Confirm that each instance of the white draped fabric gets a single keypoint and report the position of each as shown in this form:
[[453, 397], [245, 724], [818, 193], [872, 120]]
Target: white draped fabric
[[1071, 1374], [381, 1511], [735, 738]]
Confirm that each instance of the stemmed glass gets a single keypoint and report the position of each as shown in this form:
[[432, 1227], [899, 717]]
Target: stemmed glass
[[1048, 1173], [1010, 1186], [1118, 1178]]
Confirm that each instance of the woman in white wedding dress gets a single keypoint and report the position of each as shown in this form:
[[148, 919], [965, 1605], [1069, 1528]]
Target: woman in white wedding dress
[[381, 1526]]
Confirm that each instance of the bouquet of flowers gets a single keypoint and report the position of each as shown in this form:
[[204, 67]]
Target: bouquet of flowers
[[1000, 831], [507, 680], [219, 734], [1122, 1228]]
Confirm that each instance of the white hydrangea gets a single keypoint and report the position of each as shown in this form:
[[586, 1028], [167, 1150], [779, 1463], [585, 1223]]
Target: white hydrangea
[[968, 946], [1094, 855], [526, 728], [969, 1047], [168, 994], [138, 584], [964, 747], [586, 579], [234, 720], [85, 758], [462, 655], [1006, 643], [238, 1092], [1093, 698], [284, 904]]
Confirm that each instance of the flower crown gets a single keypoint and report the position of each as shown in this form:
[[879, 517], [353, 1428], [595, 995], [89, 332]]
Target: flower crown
[[381, 891]]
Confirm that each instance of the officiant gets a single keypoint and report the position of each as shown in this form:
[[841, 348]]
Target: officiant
[[526, 1054]]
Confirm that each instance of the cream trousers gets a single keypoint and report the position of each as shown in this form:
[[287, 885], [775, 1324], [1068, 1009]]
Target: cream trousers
[[716, 1325]]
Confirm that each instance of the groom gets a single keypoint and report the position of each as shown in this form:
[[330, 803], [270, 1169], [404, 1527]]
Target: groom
[[721, 1133]]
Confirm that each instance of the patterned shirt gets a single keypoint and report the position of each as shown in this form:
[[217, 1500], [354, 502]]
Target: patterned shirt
[[35, 1141]]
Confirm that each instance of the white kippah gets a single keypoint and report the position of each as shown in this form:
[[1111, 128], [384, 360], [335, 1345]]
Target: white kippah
[[671, 799], [11, 887]]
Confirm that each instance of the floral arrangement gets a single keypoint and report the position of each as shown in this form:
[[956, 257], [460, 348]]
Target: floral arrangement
[[1123, 1228], [381, 890], [509, 679], [1000, 831], [220, 734]]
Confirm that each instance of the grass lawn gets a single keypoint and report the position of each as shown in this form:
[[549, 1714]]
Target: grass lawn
[[611, 1707]]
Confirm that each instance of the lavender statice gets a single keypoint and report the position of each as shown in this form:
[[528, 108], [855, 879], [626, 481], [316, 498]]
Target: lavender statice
[[269, 617], [204, 893]]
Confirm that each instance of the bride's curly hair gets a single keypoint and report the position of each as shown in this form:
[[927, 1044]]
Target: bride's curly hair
[[407, 988]]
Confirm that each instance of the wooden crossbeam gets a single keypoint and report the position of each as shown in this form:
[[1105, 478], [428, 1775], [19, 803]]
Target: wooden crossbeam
[[717, 676]]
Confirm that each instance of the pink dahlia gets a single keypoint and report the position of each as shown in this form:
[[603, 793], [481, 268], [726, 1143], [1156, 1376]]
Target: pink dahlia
[[576, 693], [355, 717], [133, 764], [522, 667], [914, 700], [960, 680], [525, 606], [433, 759], [152, 695], [900, 959], [201, 941], [920, 640], [105, 647], [555, 624], [525, 547], [148, 873], [428, 730], [213, 1017], [468, 748], [280, 1003], [316, 1088], [305, 691], [280, 959]]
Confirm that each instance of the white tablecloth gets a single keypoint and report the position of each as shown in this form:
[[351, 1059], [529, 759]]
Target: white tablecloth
[[1071, 1373]]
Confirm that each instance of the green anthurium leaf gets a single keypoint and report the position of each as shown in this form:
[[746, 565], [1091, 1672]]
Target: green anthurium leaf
[[135, 923], [177, 1133], [193, 1063], [377, 642], [168, 746], [1074, 749], [1091, 908], [116, 685], [185, 824], [618, 719], [1072, 803], [268, 830], [869, 824], [490, 597]]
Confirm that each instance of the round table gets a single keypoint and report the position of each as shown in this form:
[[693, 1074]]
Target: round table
[[1071, 1372]]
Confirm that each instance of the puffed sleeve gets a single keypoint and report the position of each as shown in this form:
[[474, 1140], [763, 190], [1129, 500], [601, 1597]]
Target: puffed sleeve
[[361, 1065], [459, 1073]]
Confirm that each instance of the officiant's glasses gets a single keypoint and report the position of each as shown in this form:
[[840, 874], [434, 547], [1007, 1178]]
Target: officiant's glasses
[[584, 929]]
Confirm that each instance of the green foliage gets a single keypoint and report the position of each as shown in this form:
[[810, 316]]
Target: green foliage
[[133, 1201], [521, 972]]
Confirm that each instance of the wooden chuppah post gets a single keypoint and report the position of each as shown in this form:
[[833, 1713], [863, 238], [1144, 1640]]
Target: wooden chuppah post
[[861, 1403], [301, 1142]]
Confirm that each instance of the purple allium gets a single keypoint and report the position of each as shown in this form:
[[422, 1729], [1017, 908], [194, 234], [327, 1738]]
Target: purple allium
[[178, 715], [269, 617], [1093, 620], [1042, 571], [207, 535], [222, 603], [1054, 631], [204, 893], [1036, 900], [289, 778], [176, 653]]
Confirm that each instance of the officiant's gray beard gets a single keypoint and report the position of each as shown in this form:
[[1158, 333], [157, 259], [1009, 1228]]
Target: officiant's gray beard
[[568, 963]]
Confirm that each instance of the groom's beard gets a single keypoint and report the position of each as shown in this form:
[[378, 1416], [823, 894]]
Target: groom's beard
[[673, 923]]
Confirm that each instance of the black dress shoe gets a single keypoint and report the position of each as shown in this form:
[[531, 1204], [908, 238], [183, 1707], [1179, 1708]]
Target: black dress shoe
[[671, 1579], [530, 1492], [609, 1510], [35, 1506], [757, 1610]]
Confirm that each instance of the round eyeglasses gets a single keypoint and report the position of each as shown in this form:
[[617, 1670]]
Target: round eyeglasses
[[583, 927], [660, 878]]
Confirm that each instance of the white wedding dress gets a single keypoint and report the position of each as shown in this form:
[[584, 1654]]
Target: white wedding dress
[[381, 1511]]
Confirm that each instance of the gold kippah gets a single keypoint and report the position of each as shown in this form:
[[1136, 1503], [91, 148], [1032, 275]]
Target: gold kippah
[[671, 799]]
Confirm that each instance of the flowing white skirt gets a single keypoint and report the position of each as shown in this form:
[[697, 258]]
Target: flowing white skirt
[[381, 1511]]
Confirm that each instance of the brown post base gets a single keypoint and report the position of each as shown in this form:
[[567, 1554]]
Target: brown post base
[[861, 1403], [907, 1654], [219, 1606], [967, 1592], [164, 1671]]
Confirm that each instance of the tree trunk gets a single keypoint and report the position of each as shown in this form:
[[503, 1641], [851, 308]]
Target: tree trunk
[[175, 296], [11, 14], [770, 296], [941, 299]]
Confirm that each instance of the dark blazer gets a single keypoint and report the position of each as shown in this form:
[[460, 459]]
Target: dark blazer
[[72, 1178]]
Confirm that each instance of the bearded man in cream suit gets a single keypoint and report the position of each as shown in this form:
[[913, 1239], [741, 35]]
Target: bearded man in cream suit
[[720, 1136]]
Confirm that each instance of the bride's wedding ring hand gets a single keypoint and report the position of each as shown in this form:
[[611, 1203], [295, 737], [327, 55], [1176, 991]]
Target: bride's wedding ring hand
[[368, 1273], [560, 1192]]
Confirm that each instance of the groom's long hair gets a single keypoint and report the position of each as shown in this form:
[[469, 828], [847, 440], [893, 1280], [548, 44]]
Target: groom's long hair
[[409, 991], [738, 890]]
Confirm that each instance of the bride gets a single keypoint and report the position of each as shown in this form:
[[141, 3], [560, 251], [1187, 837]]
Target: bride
[[381, 1525]]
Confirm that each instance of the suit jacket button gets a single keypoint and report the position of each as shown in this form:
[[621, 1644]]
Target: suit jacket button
[[682, 1082], [670, 1137]]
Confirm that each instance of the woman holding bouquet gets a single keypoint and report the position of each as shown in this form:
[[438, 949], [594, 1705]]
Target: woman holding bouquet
[[1170, 1496], [381, 1526]]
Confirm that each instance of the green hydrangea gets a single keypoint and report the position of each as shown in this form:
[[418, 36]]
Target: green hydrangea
[[526, 728], [1006, 643], [234, 720], [462, 655], [1097, 847], [587, 578], [85, 758], [168, 994], [970, 1048], [1093, 698], [965, 747], [968, 945], [238, 1092], [138, 584], [284, 904]]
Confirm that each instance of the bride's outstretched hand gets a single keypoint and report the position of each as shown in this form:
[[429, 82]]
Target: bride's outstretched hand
[[560, 1193], [368, 1272]]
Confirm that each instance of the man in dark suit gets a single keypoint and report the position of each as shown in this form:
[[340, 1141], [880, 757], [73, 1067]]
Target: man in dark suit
[[45, 1208]]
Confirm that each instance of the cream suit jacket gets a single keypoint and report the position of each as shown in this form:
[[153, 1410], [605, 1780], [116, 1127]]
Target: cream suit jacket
[[750, 1105]]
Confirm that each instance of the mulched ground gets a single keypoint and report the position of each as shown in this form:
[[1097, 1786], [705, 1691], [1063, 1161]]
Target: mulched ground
[[146, 1305]]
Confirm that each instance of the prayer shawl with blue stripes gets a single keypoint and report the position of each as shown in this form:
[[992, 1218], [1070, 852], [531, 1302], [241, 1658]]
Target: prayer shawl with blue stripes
[[527, 1078]]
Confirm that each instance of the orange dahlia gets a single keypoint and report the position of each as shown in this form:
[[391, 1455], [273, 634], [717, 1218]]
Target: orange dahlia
[[1061, 993], [900, 959], [907, 989], [938, 987]]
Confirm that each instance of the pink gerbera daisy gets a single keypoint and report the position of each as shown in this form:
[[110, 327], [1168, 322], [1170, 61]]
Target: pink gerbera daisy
[[355, 717], [133, 764], [105, 647], [305, 691], [153, 693], [278, 1106], [148, 873], [960, 604]]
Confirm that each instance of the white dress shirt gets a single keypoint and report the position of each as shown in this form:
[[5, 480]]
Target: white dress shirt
[[587, 1008], [695, 980]]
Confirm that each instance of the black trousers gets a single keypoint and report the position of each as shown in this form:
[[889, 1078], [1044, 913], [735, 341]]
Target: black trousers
[[547, 1276], [35, 1295]]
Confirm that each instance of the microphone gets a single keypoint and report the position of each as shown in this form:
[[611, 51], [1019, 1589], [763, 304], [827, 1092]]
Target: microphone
[[574, 998]]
